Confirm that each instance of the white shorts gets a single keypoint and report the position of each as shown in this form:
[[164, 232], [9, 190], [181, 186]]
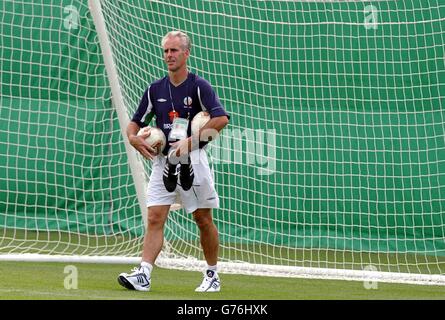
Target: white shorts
[[201, 195]]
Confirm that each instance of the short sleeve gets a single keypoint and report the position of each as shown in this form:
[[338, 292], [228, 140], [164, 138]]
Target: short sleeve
[[209, 100], [145, 111]]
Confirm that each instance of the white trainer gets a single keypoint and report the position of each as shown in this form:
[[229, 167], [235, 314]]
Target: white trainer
[[138, 280], [210, 283]]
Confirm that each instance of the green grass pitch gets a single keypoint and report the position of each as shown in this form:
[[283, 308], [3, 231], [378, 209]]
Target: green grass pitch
[[45, 281]]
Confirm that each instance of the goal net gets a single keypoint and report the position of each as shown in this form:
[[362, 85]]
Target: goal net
[[332, 165], [65, 187]]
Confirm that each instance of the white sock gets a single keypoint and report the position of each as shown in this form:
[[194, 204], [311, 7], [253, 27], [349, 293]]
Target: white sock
[[147, 265], [213, 268]]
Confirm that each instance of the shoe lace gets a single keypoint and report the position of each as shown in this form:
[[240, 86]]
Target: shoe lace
[[207, 280], [138, 270]]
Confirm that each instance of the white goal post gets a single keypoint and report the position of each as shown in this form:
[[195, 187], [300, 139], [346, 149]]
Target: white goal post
[[118, 101]]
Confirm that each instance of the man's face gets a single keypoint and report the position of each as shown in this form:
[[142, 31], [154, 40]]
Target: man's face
[[174, 55]]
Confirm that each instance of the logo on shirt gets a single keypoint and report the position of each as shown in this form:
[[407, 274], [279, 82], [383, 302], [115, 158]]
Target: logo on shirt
[[188, 101], [161, 100]]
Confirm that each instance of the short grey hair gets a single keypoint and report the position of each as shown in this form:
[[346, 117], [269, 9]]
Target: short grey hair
[[186, 42]]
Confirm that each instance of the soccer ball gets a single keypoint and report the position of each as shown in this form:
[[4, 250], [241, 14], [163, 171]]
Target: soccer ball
[[155, 139], [199, 121]]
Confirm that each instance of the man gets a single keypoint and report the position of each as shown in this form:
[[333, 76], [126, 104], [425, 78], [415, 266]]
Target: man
[[174, 100]]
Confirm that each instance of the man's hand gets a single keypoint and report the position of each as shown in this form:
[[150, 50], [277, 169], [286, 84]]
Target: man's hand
[[182, 147], [139, 143]]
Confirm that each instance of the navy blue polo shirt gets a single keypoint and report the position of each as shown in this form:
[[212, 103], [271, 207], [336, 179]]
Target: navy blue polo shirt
[[193, 95]]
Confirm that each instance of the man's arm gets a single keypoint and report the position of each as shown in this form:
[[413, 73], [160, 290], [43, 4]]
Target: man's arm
[[216, 123], [138, 142]]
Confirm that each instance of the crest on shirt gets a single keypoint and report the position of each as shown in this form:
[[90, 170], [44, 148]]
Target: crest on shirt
[[188, 101]]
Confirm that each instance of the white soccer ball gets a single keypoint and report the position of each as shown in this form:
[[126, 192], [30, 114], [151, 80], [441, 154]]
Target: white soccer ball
[[155, 139], [199, 121]]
